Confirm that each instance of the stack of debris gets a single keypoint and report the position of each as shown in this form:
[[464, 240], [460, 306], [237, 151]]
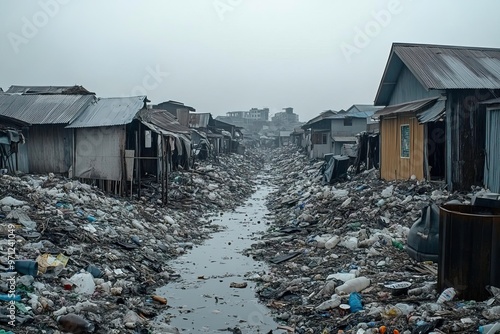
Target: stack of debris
[[336, 250], [100, 257]]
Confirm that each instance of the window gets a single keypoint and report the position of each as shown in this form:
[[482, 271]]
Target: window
[[319, 138], [147, 139], [347, 121], [405, 141]]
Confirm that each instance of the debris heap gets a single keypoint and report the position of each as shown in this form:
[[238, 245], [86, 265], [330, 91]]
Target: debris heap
[[341, 244], [99, 257]]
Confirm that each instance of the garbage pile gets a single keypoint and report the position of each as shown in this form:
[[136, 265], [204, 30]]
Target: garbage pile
[[337, 256], [78, 260]]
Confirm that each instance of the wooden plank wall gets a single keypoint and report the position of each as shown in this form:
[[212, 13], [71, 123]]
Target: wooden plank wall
[[393, 167]]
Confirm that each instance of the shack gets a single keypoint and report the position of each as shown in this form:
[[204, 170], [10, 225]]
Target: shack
[[433, 125], [49, 144]]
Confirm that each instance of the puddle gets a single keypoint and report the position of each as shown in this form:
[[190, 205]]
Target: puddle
[[202, 301]]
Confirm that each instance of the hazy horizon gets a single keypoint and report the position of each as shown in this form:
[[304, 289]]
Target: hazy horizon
[[229, 55]]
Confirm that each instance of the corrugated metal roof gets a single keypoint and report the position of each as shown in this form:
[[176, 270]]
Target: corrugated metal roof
[[362, 107], [110, 111], [359, 114], [164, 120], [48, 90], [319, 118], [44, 109], [199, 120], [441, 67], [414, 106], [434, 113]]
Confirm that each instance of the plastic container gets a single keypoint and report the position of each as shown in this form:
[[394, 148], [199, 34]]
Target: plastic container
[[329, 304], [423, 239], [332, 242], [490, 328], [94, 271], [27, 267], [73, 323], [355, 302], [10, 297], [446, 295], [354, 285], [344, 277]]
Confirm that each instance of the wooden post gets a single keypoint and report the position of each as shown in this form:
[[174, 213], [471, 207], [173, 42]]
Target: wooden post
[[139, 155], [123, 182], [427, 173], [162, 159], [165, 167]]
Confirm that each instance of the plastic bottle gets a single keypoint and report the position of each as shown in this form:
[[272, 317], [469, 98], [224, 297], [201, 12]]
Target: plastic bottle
[[424, 289], [398, 245], [355, 302], [354, 285], [329, 304], [446, 295], [490, 328], [332, 242], [10, 297], [73, 323]]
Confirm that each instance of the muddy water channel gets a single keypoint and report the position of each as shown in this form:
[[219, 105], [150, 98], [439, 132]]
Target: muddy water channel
[[204, 299]]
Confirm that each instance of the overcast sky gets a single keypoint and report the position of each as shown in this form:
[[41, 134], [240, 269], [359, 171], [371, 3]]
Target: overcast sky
[[226, 55]]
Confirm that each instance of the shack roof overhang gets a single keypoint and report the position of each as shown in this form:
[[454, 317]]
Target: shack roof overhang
[[164, 120], [427, 110], [318, 125], [111, 111], [493, 103], [6, 120]]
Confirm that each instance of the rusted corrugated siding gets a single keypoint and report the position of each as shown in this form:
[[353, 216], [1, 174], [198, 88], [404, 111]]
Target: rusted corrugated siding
[[392, 165], [50, 148]]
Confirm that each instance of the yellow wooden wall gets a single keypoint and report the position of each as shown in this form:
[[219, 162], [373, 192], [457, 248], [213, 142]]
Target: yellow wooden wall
[[392, 165]]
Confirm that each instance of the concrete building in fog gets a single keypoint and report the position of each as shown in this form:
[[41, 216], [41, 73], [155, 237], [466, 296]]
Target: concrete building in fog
[[287, 116], [254, 114]]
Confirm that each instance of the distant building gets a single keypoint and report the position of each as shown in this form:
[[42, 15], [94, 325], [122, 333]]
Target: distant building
[[254, 113], [177, 109], [287, 116]]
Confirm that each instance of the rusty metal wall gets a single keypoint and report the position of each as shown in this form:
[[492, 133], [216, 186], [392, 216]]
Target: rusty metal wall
[[469, 250]]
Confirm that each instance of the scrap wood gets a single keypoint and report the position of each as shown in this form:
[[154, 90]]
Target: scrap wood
[[425, 268]]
